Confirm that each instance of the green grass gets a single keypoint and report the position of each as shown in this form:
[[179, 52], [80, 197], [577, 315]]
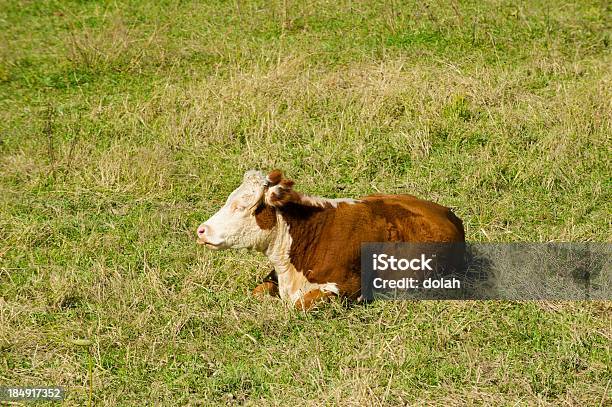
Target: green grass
[[123, 125]]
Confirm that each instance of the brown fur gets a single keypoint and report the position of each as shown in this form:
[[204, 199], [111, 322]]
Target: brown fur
[[265, 216]]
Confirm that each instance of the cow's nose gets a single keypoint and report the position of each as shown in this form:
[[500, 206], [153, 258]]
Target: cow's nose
[[202, 230]]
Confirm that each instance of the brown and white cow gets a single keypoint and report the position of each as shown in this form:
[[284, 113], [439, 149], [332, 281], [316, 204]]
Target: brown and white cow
[[314, 243]]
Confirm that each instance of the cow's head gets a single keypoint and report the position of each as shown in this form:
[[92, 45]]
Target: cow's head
[[248, 218]]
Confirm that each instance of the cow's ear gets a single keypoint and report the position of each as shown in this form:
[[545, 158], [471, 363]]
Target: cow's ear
[[287, 184], [274, 177], [280, 191]]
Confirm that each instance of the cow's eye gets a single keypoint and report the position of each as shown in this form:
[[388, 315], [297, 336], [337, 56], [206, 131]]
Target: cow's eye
[[239, 206], [244, 203]]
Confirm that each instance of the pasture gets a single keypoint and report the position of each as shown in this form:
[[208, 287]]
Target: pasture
[[124, 125]]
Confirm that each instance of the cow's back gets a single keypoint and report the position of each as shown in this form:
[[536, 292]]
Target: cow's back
[[410, 219]]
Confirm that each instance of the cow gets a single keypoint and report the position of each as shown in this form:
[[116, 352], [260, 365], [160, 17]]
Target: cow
[[314, 243]]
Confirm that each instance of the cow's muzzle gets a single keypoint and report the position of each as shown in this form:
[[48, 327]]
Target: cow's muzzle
[[203, 231]]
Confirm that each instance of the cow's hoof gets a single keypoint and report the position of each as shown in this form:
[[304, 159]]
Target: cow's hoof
[[311, 299], [266, 288]]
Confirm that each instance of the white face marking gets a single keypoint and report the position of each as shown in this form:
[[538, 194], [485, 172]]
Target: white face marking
[[234, 225]]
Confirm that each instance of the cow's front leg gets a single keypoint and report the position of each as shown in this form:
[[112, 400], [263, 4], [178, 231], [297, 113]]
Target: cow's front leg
[[310, 299], [269, 286]]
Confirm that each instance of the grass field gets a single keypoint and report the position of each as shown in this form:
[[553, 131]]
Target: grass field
[[123, 125]]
